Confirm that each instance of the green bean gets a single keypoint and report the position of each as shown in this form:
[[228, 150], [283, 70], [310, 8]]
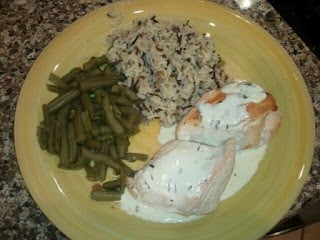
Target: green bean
[[109, 72], [98, 116], [42, 136], [122, 145], [55, 79], [116, 89], [86, 104], [113, 185], [96, 82], [105, 195], [97, 78], [135, 116], [101, 60], [79, 164], [86, 121], [131, 121], [72, 143], [110, 118], [62, 100], [123, 101], [123, 178], [54, 88], [109, 161], [134, 130], [64, 149], [80, 133], [132, 157], [104, 148], [99, 94], [71, 75], [125, 110], [72, 113], [93, 72], [95, 130], [90, 64], [46, 115], [81, 76], [58, 136], [100, 171], [127, 123], [113, 71], [113, 151], [127, 170], [107, 138], [72, 85], [131, 95], [93, 143], [105, 129], [51, 123], [116, 111], [110, 191]]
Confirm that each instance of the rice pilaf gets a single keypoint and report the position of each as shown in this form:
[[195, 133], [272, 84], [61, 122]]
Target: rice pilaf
[[169, 63]]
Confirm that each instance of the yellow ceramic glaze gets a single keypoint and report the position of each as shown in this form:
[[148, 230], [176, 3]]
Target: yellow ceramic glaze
[[249, 52]]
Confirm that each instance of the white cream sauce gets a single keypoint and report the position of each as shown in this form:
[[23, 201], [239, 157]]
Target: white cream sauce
[[133, 207], [232, 110], [246, 164]]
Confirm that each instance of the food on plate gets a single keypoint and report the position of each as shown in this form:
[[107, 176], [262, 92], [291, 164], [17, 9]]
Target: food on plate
[[89, 122], [157, 70], [241, 110], [184, 177], [170, 64], [188, 176]]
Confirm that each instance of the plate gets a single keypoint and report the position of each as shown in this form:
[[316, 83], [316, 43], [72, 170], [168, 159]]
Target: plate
[[249, 52]]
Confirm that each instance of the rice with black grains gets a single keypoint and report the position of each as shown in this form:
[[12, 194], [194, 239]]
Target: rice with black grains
[[170, 64]]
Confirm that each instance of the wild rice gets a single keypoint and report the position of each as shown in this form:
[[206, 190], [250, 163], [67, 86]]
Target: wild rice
[[170, 64]]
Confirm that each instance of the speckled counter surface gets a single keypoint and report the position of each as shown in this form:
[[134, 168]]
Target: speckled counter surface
[[26, 27]]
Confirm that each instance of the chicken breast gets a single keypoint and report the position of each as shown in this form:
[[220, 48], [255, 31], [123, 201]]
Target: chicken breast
[[241, 110], [187, 178]]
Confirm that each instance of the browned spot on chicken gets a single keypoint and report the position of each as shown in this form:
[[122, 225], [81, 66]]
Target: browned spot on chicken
[[193, 117], [215, 97], [255, 110]]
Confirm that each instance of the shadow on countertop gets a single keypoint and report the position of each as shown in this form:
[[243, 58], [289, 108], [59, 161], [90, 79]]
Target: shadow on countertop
[[303, 17]]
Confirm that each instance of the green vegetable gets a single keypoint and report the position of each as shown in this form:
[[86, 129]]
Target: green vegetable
[[105, 195], [99, 157], [109, 115], [132, 157], [64, 149], [70, 76], [97, 82], [88, 124], [80, 134], [61, 101], [114, 185]]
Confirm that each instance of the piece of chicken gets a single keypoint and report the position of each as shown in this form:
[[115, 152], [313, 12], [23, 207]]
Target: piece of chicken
[[186, 178], [240, 110]]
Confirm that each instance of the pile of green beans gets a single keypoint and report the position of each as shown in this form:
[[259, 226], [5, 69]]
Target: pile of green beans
[[89, 123]]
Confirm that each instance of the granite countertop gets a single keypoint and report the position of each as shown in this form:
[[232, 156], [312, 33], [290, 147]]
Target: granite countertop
[[28, 26]]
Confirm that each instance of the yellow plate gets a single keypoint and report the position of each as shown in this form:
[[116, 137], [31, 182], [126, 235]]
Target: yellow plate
[[249, 52]]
